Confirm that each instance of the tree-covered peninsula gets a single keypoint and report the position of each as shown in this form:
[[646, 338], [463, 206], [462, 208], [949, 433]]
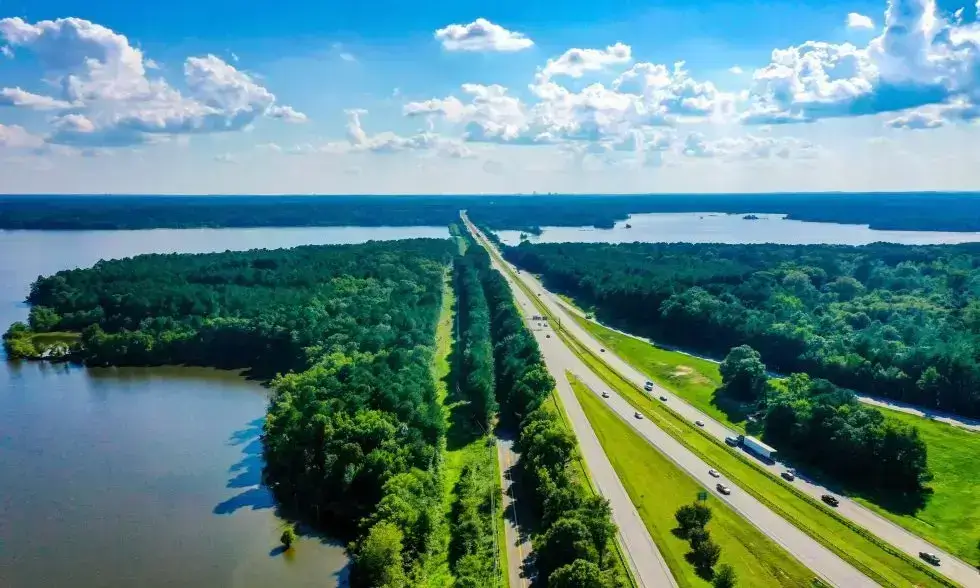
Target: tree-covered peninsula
[[353, 421]]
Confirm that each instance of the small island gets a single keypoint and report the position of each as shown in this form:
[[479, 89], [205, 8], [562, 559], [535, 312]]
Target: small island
[[629, 226], [750, 217]]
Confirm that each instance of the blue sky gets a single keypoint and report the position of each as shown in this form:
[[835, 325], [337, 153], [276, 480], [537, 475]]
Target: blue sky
[[204, 96]]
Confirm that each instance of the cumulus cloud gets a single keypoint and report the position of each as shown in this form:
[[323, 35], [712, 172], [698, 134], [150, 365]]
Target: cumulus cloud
[[575, 63], [481, 35], [859, 21], [919, 59], [19, 97], [360, 141], [17, 137], [103, 77], [736, 70]]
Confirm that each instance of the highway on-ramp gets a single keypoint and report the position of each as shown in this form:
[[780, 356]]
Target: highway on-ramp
[[635, 539], [952, 567]]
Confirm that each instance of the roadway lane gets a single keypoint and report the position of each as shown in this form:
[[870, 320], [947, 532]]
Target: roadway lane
[[952, 567], [518, 542], [560, 359], [642, 556]]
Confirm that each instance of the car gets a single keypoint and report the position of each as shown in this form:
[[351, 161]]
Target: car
[[602, 349], [637, 415], [723, 489], [788, 476], [663, 399], [831, 500], [648, 386], [929, 557], [733, 441], [605, 394], [547, 336], [699, 423], [714, 473]]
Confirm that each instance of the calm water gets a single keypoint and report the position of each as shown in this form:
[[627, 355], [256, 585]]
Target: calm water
[[141, 477], [723, 228]]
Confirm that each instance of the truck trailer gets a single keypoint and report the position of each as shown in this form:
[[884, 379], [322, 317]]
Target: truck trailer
[[757, 447]]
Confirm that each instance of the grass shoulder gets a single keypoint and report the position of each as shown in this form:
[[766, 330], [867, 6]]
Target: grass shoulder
[[658, 488], [876, 559]]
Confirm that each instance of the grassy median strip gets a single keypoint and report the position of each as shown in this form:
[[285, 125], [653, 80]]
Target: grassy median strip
[[878, 560], [658, 488], [951, 515]]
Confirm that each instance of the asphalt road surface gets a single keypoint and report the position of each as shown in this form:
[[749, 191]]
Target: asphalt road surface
[[560, 359], [518, 539], [952, 567]]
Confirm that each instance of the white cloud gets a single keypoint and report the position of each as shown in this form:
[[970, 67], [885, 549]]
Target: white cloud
[[6, 51], [286, 113], [736, 70], [483, 36], [16, 137], [918, 59], [18, 97], [575, 63], [348, 57], [102, 76], [225, 158], [859, 21], [747, 147]]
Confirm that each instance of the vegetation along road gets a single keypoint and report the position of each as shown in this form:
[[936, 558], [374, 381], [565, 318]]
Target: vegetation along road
[[560, 359], [951, 567]]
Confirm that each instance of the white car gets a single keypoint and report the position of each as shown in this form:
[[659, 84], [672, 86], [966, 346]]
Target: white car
[[637, 415], [699, 423], [714, 473]]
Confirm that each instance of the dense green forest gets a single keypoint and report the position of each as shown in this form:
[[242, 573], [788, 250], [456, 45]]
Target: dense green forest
[[817, 422], [893, 321], [352, 434], [575, 541], [897, 211]]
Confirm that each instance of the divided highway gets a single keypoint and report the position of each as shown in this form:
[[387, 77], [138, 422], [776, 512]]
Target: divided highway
[[636, 541], [951, 567]]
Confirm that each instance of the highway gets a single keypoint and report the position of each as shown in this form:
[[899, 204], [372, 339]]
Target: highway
[[952, 567], [559, 359], [927, 413], [518, 540]]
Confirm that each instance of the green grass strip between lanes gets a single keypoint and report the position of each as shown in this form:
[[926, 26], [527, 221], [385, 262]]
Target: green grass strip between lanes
[[658, 488]]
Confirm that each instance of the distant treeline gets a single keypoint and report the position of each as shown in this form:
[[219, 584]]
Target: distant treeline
[[896, 211], [888, 320]]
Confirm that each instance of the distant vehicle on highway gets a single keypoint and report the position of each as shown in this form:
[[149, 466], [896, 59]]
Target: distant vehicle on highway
[[699, 423], [788, 476], [648, 386], [547, 336], [663, 399], [831, 500], [723, 489], [714, 473], [929, 557], [637, 415], [602, 349], [733, 441], [605, 394]]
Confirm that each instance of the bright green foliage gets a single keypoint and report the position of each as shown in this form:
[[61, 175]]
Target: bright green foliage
[[580, 574], [472, 549], [477, 348], [743, 374], [353, 431], [724, 577], [288, 537], [574, 528], [692, 517], [874, 318]]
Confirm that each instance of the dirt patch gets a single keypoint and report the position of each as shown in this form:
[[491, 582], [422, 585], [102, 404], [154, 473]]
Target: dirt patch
[[688, 373]]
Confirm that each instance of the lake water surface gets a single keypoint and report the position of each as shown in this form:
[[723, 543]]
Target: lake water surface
[[144, 477], [707, 227]]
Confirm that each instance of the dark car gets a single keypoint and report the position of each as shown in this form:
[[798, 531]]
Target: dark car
[[723, 489], [929, 557], [788, 476], [831, 500]]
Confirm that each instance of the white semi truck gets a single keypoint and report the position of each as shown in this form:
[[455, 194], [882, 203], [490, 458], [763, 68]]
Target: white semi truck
[[753, 445]]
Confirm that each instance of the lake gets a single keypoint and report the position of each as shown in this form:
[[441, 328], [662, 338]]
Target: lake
[[707, 227], [144, 477]]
